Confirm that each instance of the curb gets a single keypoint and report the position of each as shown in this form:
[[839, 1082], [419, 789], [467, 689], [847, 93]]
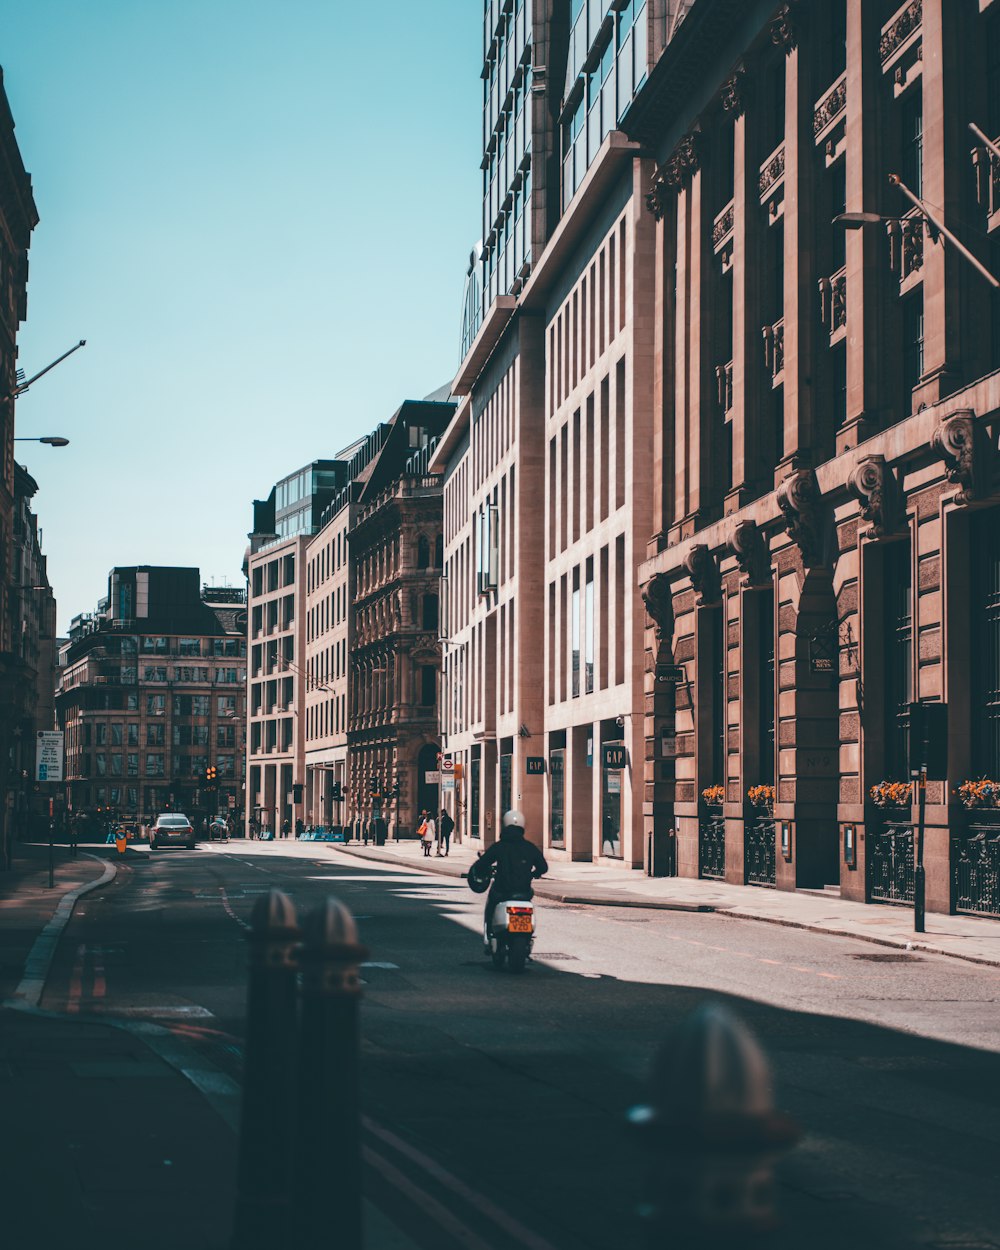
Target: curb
[[36, 966], [544, 891], [904, 944]]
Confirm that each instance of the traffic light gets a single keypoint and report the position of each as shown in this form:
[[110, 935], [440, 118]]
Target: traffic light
[[395, 789], [210, 777], [375, 788], [337, 792], [297, 792]]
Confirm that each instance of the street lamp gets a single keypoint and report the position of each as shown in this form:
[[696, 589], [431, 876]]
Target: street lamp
[[855, 221], [21, 387], [53, 440]]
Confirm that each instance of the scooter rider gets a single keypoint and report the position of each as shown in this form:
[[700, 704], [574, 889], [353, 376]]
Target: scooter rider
[[518, 863]]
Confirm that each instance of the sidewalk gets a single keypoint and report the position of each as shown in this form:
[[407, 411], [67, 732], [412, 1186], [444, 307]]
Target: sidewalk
[[964, 937]]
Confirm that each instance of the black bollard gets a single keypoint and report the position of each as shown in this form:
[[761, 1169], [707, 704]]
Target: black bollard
[[266, 1127], [714, 1135], [328, 1178]]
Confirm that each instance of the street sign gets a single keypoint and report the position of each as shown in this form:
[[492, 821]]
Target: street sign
[[447, 763], [615, 755], [614, 783], [447, 783], [536, 765], [432, 778], [49, 755], [232, 800]]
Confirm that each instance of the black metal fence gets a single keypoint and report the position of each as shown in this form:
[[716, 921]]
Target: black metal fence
[[759, 851], [890, 862], [975, 868], [712, 845]]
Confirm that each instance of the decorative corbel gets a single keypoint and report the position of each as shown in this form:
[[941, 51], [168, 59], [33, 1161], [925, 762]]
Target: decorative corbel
[[657, 597], [785, 27], [731, 96], [748, 546], [875, 487], [703, 569], [964, 445], [799, 499], [671, 176]]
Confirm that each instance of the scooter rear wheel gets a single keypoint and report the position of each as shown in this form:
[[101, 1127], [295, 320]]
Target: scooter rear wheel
[[498, 953], [517, 953]]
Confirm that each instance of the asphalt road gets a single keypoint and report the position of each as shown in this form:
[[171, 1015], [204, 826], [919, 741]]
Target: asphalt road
[[495, 1103]]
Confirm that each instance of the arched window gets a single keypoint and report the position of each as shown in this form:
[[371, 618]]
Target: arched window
[[423, 552], [430, 612]]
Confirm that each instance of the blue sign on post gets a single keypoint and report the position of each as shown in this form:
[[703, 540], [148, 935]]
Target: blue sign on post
[[43, 772]]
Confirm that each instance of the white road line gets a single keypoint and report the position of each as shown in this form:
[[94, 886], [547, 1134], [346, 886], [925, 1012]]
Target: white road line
[[39, 961], [523, 1237], [441, 1216]]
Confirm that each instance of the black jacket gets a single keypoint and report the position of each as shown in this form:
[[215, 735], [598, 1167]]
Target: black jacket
[[518, 862]]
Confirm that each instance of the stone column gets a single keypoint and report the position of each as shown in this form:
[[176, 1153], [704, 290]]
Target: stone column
[[800, 294], [865, 249], [747, 355], [946, 169]]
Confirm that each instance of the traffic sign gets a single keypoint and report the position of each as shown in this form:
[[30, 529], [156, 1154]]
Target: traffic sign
[[447, 763], [49, 755]]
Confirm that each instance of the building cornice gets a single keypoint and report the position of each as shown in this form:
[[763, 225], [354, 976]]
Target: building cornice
[[614, 154], [907, 442]]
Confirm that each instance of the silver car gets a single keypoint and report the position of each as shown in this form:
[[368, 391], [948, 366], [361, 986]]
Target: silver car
[[171, 827]]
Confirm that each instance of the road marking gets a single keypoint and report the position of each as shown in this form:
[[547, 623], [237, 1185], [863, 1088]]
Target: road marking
[[170, 1012], [376, 964], [523, 1237], [76, 980], [100, 984], [444, 1219], [229, 910], [39, 961]]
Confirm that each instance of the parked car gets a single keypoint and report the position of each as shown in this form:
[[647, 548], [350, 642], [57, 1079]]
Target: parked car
[[171, 827]]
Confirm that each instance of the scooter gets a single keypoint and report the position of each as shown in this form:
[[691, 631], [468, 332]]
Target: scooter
[[510, 933]]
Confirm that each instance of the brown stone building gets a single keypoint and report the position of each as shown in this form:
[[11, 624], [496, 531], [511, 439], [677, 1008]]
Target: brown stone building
[[396, 558], [18, 217], [826, 531], [33, 642], [274, 566], [151, 694], [547, 477]]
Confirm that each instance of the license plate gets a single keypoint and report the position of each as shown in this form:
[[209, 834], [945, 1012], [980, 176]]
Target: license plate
[[518, 924]]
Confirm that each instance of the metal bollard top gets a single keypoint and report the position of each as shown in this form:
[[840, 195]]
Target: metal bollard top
[[274, 931], [712, 1082], [331, 953]]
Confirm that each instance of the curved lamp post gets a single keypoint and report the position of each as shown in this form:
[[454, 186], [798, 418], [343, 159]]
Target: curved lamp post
[[53, 440]]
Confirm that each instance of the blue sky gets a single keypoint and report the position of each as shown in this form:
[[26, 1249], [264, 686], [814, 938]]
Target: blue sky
[[259, 216]]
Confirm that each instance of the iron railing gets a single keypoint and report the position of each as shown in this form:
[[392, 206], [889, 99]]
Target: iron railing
[[890, 862], [759, 854], [712, 845], [975, 869]]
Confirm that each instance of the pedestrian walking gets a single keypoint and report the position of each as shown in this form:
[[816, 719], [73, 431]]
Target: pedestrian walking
[[445, 827], [425, 835], [286, 827]]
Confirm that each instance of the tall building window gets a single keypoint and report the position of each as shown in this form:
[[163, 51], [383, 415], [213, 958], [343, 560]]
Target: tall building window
[[913, 346], [898, 634], [985, 619], [765, 679], [717, 661], [588, 632], [912, 125], [575, 636]]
